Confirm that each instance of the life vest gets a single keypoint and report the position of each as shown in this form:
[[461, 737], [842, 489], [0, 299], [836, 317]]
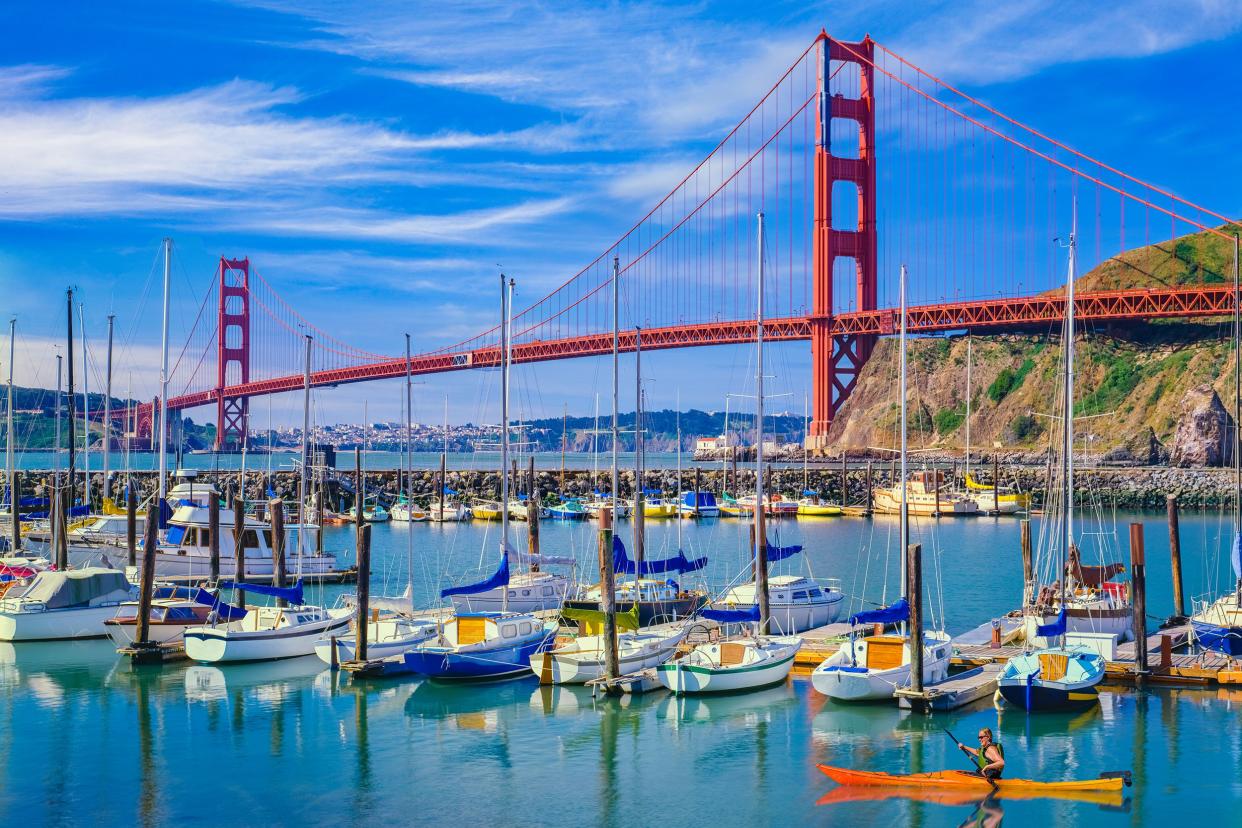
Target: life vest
[[982, 762]]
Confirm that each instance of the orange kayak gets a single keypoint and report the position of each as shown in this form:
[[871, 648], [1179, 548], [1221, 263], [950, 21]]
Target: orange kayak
[[966, 781]]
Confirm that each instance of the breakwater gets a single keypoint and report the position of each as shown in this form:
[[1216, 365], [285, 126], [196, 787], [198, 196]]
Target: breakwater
[[1134, 487]]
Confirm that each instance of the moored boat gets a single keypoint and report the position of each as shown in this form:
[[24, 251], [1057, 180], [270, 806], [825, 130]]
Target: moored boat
[[173, 609], [731, 666], [481, 646], [61, 605], [1052, 679]]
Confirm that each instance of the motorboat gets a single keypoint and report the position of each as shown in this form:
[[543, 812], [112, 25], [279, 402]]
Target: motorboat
[[486, 510], [571, 509], [601, 504], [660, 600], [526, 592], [796, 603], [1217, 626], [925, 497], [60, 605], [1051, 679], [814, 507], [187, 547], [450, 511], [699, 505]]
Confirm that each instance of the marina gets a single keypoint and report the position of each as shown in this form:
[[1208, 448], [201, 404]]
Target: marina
[[885, 470]]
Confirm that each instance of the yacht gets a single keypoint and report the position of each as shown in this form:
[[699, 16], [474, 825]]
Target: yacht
[[60, 605], [796, 603]]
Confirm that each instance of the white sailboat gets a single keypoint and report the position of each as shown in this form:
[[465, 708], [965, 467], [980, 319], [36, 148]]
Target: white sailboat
[[61, 605], [872, 667]]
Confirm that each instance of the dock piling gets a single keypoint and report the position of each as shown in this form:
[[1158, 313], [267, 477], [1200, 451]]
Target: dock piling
[[131, 526], [607, 580], [277, 509], [142, 638], [1175, 555], [239, 548], [1028, 565], [364, 593], [914, 594], [1138, 580], [213, 536]]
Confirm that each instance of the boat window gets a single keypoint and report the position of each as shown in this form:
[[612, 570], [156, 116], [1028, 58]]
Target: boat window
[[267, 538], [548, 590], [127, 611], [190, 537], [250, 540], [508, 630], [204, 537], [816, 593], [800, 596], [180, 614], [524, 628], [525, 593]]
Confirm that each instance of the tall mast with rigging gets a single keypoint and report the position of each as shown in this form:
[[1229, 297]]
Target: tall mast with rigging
[[1067, 448], [163, 432], [904, 529], [761, 539]]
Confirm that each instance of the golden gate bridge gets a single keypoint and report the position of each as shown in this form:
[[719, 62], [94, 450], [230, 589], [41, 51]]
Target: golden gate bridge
[[861, 161]]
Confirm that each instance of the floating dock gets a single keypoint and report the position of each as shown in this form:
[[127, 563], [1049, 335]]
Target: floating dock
[[954, 692]]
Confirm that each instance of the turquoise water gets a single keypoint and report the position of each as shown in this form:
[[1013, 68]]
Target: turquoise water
[[85, 737]]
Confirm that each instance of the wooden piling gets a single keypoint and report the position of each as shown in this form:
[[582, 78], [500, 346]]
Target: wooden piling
[[914, 595], [239, 549], [607, 580], [142, 638], [869, 501], [1175, 555], [845, 481], [364, 592], [62, 531], [1028, 565], [213, 536], [1138, 582], [277, 508], [131, 526], [996, 484]]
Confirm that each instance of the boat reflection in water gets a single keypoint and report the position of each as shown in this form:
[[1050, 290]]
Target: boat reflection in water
[[479, 707], [269, 682], [52, 671], [741, 708]]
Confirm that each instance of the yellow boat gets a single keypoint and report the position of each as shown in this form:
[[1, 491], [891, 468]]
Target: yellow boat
[[486, 510], [660, 508], [807, 508], [1009, 500]]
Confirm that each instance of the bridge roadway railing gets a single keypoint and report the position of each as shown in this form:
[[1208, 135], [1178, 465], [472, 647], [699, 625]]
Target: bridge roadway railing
[[980, 315]]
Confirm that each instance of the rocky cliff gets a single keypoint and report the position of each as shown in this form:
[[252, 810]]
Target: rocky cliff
[[1148, 393]]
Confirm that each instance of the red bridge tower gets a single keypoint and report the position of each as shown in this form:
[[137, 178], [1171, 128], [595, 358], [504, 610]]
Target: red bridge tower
[[233, 362]]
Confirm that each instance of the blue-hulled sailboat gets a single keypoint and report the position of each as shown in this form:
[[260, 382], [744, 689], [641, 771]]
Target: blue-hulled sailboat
[[488, 645], [1058, 677]]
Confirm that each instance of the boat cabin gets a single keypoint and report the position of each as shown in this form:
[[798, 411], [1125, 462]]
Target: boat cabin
[[190, 533], [75, 589], [468, 629]]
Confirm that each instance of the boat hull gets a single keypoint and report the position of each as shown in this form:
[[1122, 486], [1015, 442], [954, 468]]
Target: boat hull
[[1226, 640], [965, 780], [375, 649], [57, 624], [501, 662], [122, 634], [569, 669], [693, 678], [1028, 683], [839, 679], [220, 644]]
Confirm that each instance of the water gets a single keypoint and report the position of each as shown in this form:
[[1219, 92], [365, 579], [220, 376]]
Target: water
[[288, 743]]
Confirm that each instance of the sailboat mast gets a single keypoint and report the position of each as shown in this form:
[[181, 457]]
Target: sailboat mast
[[505, 292], [54, 503], [86, 412], [806, 425], [14, 512], [595, 445], [163, 432], [409, 471], [761, 538], [680, 497], [1067, 460], [616, 335], [306, 386], [107, 415], [73, 403], [904, 529], [640, 509], [564, 442]]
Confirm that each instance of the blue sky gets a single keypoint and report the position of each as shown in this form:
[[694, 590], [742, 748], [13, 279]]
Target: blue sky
[[377, 161]]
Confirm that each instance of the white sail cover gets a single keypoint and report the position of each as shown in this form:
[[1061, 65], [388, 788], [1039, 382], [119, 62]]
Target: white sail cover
[[78, 588]]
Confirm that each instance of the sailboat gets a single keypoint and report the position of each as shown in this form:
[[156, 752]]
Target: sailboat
[[254, 633], [62, 605], [1057, 676], [873, 667], [747, 662], [443, 509], [497, 643]]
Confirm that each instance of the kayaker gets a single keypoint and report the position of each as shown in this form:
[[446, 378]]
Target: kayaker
[[989, 757]]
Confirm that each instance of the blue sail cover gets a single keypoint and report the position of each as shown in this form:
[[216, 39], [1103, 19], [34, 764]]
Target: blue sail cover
[[622, 564], [225, 612], [31, 502], [501, 578], [74, 511], [892, 614], [175, 534], [1236, 557], [780, 553], [291, 594], [165, 514], [732, 616], [1055, 628]]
